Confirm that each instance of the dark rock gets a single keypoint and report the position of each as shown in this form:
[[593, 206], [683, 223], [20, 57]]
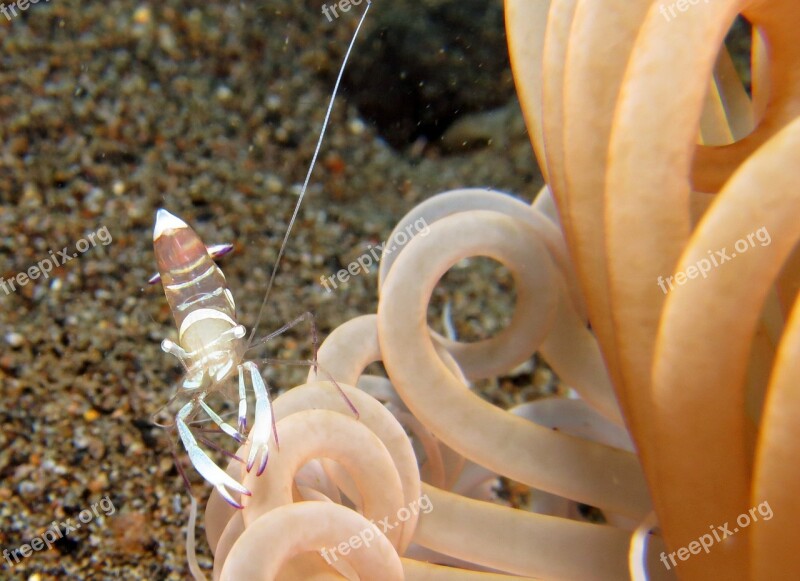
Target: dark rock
[[420, 66]]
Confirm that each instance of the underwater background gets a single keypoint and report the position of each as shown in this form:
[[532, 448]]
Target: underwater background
[[109, 111]]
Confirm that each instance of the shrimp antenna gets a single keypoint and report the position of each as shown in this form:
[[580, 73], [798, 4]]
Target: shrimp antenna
[[308, 175]]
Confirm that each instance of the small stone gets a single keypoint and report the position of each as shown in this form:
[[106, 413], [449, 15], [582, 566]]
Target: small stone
[[6, 362], [28, 488], [31, 197], [97, 449], [166, 39], [273, 103], [273, 184], [98, 484], [16, 340], [356, 126], [131, 532], [165, 464], [224, 93], [142, 15], [19, 145], [91, 415]]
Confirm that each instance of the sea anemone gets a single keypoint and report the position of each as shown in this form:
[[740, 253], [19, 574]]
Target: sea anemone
[[701, 372], [704, 373], [376, 470]]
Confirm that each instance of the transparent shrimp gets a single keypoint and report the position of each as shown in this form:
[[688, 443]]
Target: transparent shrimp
[[211, 344]]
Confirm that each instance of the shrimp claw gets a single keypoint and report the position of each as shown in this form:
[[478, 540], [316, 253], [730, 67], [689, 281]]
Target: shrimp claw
[[264, 425], [204, 465]]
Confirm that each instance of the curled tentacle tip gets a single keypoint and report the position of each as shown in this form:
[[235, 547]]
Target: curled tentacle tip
[[263, 465], [229, 499]]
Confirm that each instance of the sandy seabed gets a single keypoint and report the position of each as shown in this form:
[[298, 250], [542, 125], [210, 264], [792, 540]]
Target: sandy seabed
[[110, 111]]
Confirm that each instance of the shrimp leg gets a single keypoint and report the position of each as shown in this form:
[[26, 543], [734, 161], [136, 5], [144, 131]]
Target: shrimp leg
[[202, 463]]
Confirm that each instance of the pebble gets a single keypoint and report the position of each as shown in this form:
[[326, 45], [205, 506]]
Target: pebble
[[15, 340], [90, 415], [142, 15]]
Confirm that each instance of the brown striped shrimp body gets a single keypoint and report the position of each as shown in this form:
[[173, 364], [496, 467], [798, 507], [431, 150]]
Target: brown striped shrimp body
[[210, 346]]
